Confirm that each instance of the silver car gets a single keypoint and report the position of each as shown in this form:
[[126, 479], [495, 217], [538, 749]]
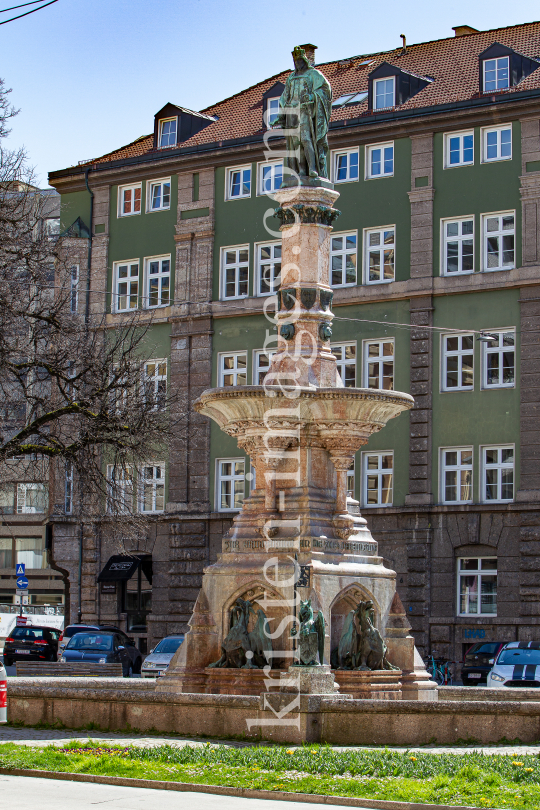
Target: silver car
[[158, 660]]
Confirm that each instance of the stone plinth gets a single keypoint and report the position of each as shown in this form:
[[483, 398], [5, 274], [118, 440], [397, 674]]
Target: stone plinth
[[317, 680], [379, 684]]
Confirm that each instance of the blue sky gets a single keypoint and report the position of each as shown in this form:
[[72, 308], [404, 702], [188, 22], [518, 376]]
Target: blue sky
[[88, 75]]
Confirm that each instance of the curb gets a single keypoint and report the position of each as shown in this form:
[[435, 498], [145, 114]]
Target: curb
[[245, 793]]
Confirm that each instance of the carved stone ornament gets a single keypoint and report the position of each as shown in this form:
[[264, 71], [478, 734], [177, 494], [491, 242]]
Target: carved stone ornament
[[287, 331], [325, 331], [288, 298], [325, 297], [307, 214], [308, 296]]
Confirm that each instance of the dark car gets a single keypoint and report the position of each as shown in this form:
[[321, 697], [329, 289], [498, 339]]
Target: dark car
[[98, 647], [31, 643], [129, 644], [478, 662]]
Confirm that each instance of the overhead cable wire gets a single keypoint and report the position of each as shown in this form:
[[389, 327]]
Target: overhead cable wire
[[4, 22], [12, 8]]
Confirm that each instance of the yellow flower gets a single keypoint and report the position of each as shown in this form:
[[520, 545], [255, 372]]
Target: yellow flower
[[313, 751], [290, 751], [517, 764], [413, 759], [529, 770]]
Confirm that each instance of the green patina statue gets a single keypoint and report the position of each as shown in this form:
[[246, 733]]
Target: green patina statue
[[241, 648], [305, 109], [311, 636], [361, 646]]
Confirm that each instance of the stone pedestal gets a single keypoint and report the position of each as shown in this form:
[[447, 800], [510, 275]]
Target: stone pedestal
[[317, 680], [379, 684]]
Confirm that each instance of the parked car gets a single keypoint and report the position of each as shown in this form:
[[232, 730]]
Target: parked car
[[31, 643], [129, 644], [517, 664], [478, 662], [98, 647], [158, 660]]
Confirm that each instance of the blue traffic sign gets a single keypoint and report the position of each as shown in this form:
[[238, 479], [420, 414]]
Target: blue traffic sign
[[20, 569], [22, 583]]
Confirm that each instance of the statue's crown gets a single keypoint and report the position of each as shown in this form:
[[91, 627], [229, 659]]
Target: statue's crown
[[299, 53]]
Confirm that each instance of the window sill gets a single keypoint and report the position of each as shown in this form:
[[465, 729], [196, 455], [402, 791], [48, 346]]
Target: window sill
[[235, 297], [497, 269], [459, 165], [456, 390], [459, 273], [126, 216], [349, 284], [495, 160], [374, 283], [351, 180], [157, 210], [378, 176], [241, 197]]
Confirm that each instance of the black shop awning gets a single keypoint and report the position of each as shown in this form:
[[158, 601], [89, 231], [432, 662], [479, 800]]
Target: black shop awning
[[120, 567]]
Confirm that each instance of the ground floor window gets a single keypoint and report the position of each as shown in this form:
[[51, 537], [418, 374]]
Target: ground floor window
[[137, 601], [477, 586]]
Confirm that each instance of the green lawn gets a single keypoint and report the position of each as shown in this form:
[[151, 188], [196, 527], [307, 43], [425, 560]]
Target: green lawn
[[475, 779]]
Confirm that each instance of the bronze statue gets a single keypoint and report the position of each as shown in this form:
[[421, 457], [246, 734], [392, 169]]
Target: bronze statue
[[361, 646], [305, 108], [311, 637], [241, 648]]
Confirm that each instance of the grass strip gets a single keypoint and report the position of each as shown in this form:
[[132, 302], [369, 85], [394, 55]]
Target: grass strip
[[473, 779]]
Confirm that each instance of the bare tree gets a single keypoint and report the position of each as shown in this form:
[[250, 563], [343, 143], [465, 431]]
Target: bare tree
[[78, 400]]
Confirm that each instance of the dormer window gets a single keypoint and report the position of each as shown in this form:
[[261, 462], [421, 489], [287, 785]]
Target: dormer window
[[167, 132], [389, 86], [496, 73], [272, 110], [501, 67], [384, 93]]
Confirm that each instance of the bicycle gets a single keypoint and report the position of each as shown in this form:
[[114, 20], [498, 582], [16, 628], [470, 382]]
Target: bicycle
[[438, 668]]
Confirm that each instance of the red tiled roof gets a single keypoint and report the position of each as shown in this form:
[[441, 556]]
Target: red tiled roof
[[452, 63]]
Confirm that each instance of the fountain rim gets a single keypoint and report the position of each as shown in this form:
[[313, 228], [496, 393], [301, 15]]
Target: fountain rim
[[280, 392]]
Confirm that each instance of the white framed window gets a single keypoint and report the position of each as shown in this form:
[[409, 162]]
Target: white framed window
[[457, 246], [31, 499], [151, 486], [261, 364], [129, 200], [52, 227], [456, 474], [384, 93], [167, 132], [378, 474], [155, 383], [232, 368], [457, 362], [497, 474], [238, 183], [379, 364], [380, 255], [68, 488], [126, 285], [497, 143], [351, 480], [158, 281], [268, 272], [74, 288], [158, 195], [343, 252], [477, 586], [119, 489], [379, 160], [499, 360], [346, 166], [499, 241], [234, 271], [230, 484], [345, 354], [270, 176], [459, 149], [31, 552], [272, 110], [496, 74]]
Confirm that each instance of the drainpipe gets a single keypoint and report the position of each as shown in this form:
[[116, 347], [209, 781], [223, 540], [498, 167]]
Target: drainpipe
[[86, 322]]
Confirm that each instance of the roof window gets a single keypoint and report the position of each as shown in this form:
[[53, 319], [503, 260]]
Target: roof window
[[350, 98], [389, 86], [501, 67]]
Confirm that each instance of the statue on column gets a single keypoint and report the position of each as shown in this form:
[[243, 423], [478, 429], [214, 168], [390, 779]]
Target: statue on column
[[305, 109]]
